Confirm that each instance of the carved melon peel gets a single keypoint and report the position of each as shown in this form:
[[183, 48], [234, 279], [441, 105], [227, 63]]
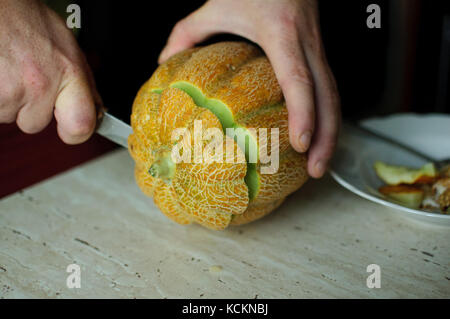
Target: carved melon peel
[[396, 175], [225, 85], [407, 195]]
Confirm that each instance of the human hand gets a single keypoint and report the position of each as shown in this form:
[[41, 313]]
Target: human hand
[[289, 33], [43, 72]]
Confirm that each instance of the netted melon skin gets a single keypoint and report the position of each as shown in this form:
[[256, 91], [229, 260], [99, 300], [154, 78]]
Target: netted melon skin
[[214, 195]]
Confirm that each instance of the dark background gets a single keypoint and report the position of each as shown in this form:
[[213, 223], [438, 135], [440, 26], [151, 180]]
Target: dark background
[[123, 41], [378, 71]]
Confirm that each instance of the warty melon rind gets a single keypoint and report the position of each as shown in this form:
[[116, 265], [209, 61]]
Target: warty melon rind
[[228, 84]]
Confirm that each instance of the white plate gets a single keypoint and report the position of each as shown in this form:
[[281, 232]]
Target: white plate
[[352, 165]]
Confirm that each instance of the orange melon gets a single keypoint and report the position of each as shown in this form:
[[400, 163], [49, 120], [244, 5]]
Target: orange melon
[[227, 85]]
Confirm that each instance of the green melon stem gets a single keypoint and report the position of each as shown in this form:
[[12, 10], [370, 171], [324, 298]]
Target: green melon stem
[[163, 167]]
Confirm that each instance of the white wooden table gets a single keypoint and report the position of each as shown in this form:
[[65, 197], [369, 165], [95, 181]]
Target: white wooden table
[[318, 244]]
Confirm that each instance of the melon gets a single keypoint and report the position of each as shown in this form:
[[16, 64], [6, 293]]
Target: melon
[[395, 175], [227, 86], [407, 195]]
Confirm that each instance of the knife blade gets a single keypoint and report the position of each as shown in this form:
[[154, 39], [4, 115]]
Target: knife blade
[[114, 129]]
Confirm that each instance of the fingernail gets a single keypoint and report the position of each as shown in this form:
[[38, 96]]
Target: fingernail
[[161, 55], [320, 168], [305, 140]]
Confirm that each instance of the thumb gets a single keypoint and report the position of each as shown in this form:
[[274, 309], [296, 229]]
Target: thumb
[[75, 110], [186, 33]]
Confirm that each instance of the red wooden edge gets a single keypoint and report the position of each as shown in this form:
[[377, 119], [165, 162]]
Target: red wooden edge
[[26, 159]]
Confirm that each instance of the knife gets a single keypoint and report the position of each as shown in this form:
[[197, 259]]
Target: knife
[[114, 129]]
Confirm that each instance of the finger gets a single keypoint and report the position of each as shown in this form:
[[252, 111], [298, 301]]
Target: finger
[[75, 110], [11, 95], [37, 112], [328, 116], [294, 77], [186, 33], [8, 108], [34, 116], [7, 116], [98, 101]]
